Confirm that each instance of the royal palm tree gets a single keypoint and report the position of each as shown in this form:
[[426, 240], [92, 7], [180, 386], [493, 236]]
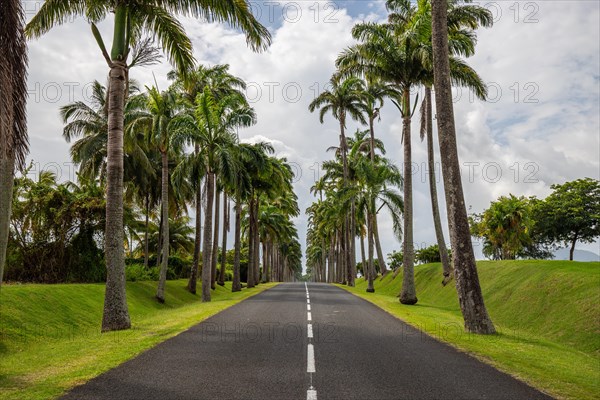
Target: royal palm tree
[[344, 99], [13, 118], [132, 18], [375, 94], [470, 296], [220, 83], [213, 126], [386, 53]]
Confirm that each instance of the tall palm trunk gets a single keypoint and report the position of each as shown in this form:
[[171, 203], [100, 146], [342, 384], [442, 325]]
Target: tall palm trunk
[[146, 226], [215, 248], [221, 280], [437, 221], [470, 297], [265, 262], [380, 259], [7, 167], [115, 315], [193, 281], [162, 278], [352, 240], [250, 275], [256, 244], [409, 292], [206, 246], [370, 268], [236, 285]]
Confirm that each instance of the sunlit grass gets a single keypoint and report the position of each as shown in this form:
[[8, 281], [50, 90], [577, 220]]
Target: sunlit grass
[[546, 312], [50, 336]]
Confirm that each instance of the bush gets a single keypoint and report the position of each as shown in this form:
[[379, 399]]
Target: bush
[[137, 272]]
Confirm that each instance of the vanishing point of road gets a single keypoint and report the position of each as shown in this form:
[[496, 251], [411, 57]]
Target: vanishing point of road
[[303, 341]]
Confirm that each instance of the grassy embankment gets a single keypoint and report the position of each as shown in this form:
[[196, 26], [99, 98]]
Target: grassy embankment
[[547, 314], [50, 336]]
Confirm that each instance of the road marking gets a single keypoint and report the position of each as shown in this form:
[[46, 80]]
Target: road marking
[[308, 307], [309, 316], [310, 363], [307, 301], [311, 395], [310, 331]]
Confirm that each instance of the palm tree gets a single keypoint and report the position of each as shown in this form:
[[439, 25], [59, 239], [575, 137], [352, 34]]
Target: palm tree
[[132, 18], [470, 297], [386, 53], [345, 98], [213, 127], [13, 117], [462, 20], [375, 93]]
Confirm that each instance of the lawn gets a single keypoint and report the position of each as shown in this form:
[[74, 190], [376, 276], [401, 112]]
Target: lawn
[[50, 336], [547, 314]]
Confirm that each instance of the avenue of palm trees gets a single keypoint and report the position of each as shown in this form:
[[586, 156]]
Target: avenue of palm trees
[[391, 59], [159, 152]]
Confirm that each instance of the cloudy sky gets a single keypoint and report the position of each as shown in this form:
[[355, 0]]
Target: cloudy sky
[[540, 126]]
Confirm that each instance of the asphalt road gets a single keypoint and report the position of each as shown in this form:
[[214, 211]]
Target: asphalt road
[[298, 341]]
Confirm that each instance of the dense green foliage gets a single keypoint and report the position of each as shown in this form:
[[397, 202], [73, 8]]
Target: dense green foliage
[[519, 227]]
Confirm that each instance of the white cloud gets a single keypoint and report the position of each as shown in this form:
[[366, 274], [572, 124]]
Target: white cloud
[[554, 61]]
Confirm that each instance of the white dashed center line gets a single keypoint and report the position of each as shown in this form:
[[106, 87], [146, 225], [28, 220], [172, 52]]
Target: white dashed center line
[[311, 393]]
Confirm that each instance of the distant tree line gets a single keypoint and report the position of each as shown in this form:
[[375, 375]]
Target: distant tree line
[[528, 227]]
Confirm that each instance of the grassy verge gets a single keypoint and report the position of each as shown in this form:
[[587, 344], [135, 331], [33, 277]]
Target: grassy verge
[[50, 335], [546, 312]]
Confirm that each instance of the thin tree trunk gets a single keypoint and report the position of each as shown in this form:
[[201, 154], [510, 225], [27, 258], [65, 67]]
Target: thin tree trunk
[[7, 167], [115, 315], [215, 249], [162, 278], [256, 244], [159, 242], [265, 263], [352, 239], [380, 257], [572, 250], [409, 292], [146, 226], [370, 268], [236, 285], [437, 221], [206, 248], [250, 275], [470, 297], [193, 281], [224, 246]]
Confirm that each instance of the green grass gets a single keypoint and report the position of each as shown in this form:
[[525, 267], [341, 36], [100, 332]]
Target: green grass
[[50, 336], [547, 314]]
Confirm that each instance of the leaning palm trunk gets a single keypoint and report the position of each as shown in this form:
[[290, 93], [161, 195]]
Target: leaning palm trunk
[[7, 166], [236, 285], [164, 265], [437, 221], [192, 283], [215, 249], [409, 292], [221, 280], [206, 247], [470, 297], [352, 239], [116, 314]]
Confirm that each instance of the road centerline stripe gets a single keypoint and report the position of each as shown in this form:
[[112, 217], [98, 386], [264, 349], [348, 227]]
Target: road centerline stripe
[[310, 331], [310, 364]]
